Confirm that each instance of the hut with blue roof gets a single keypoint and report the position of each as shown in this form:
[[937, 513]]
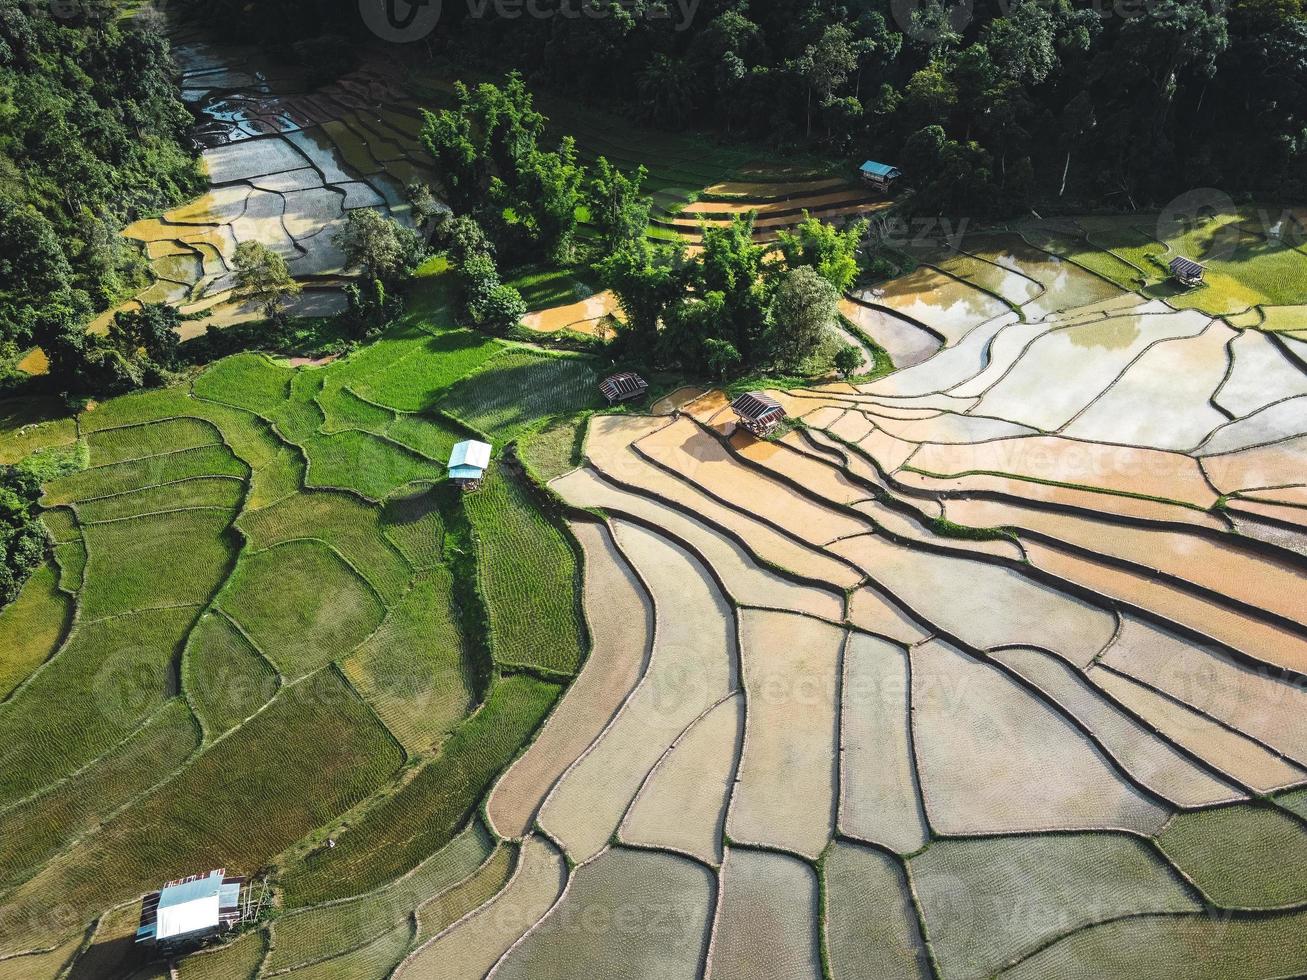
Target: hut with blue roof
[[191, 910], [468, 463], [880, 175]]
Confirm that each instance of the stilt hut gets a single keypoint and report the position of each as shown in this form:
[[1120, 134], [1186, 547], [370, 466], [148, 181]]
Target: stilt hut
[[468, 463], [190, 911], [880, 175], [1187, 272], [760, 414], [623, 387]]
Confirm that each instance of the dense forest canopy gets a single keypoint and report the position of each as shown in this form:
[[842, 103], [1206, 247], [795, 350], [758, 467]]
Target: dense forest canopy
[[92, 136], [993, 105]]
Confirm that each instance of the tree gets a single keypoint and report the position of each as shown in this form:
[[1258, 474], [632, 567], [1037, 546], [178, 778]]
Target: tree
[[827, 65], [463, 237], [503, 309], [429, 212], [447, 136], [732, 264], [847, 361], [667, 90], [802, 313], [383, 248], [492, 131], [480, 278], [617, 208], [832, 251], [149, 333], [547, 196], [721, 355], [490, 303], [262, 278], [34, 272], [645, 280], [1023, 42], [930, 96], [368, 308], [23, 540], [950, 177]]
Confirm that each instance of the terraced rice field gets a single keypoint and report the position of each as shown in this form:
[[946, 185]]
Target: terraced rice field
[[285, 164], [1058, 711], [216, 636], [995, 666]]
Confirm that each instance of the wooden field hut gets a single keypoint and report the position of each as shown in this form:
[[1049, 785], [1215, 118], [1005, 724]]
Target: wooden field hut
[[1187, 272], [623, 387], [880, 175], [468, 463], [760, 414], [191, 910]]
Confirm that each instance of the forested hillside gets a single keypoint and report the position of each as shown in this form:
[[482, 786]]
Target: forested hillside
[[92, 135], [991, 106]]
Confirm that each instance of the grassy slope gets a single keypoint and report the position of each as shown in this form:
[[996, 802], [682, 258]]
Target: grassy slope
[[230, 461]]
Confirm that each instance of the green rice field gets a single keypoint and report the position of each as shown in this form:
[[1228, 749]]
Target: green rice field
[[315, 654]]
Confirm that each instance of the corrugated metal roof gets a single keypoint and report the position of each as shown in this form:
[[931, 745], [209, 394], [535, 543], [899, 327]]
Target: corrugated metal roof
[[191, 906], [466, 472], [756, 405], [619, 387], [881, 169], [470, 453], [1181, 266]]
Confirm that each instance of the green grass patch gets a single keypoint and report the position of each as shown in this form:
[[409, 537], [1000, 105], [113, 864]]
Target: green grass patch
[[1191, 947], [343, 409], [1250, 855], [249, 381], [299, 417], [62, 524], [518, 389], [31, 626], [555, 449], [409, 368], [426, 814], [31, 423], [414, 669], [104, 481], [150, 439], [71, 559], [35, 830], [349, 525], [224, 677], [370, 466], [313, 934], [250, 437], [237, 960], [316, 752], [963, 532], [223, 492], [107, 678], [443, 911], [301, 605], [56, 461], [282, 476], [528, 576], [411, 520], [542, 288], [156, 560], [429, 435]]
